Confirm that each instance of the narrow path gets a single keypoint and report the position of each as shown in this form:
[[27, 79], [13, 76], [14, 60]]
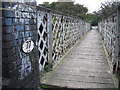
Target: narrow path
[[84, 67]]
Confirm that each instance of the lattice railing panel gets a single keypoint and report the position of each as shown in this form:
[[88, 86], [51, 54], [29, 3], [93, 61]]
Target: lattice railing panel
[[34, 38], [66, 31], [57, 37], [42, 39], [56, 34], [108, 30]]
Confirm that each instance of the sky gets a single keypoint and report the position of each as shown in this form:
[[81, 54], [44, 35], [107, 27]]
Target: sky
[[92, 5]]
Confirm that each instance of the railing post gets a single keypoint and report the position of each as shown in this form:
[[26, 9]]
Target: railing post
[[116, 40], [118, 47], [50, 62], [0, 45]]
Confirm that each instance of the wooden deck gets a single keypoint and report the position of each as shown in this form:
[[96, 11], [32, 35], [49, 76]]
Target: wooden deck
[[84, 67]]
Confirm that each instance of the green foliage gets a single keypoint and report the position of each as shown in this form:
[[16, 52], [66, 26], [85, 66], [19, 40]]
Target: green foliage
[[46, 4], [47, 68], [44, 86], [106, 8], [92, 18], [78, 10], [69, 8]]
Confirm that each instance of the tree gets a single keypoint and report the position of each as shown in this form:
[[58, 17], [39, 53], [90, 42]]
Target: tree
[[69, 7], [106, 8], [65, 1], [46, 4]]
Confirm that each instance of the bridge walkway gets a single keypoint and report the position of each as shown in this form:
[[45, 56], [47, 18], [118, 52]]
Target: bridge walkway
[[84, 67]]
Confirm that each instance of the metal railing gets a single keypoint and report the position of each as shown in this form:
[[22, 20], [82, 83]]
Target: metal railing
[[57, 33], [109, 29], [33, 37]]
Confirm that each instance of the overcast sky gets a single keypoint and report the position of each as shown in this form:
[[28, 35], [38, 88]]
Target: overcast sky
[[92, 5]]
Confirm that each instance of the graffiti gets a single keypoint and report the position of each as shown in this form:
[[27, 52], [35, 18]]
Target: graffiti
[[22, 33], [52, 33], [25, 67]]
